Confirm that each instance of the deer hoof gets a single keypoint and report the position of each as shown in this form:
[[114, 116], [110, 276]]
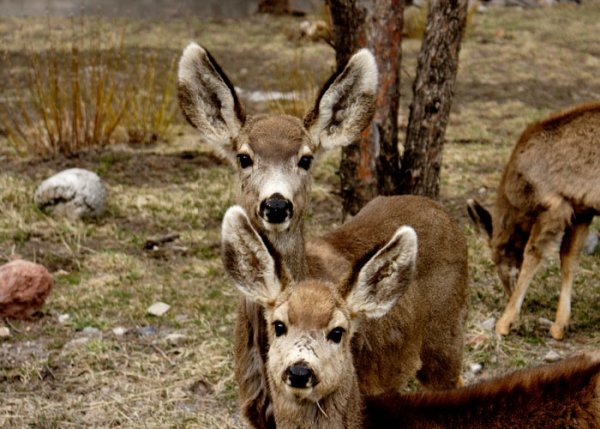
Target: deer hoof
[[503, 327], [557, 331]]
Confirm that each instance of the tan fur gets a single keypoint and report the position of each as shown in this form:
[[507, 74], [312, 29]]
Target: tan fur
[[549, 194], [276, 144]]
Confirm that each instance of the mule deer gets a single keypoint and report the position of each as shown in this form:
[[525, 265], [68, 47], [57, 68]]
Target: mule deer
[[550, 189], [312, 327], [273, 155]]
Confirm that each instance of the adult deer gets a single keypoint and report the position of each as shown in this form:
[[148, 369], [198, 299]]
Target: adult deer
[[312, 326], [273, 154], [549, 193]]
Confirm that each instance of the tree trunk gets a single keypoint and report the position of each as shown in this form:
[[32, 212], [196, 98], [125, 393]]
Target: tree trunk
[[275, 7], [433, 90], [371, 166]]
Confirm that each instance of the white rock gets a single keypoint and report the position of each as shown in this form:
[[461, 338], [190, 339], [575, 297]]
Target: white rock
[[119, 331], [475, 368], [74, 193], [488, 324], [64, 318], [4, 332], [92, 331], [158, 309], [175, 339], [544, 322], [552, 356], [591, 243]]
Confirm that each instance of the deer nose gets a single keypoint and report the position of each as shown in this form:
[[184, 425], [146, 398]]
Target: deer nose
[[299, 375], [276, 209]]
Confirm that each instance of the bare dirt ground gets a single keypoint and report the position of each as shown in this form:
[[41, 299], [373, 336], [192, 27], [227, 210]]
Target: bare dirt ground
[[516, 66]]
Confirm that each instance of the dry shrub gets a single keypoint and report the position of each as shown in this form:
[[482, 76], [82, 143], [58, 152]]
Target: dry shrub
[[78, 93], [152, 97]]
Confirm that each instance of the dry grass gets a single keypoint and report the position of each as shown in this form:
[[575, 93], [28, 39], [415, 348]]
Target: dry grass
[[516, 67]]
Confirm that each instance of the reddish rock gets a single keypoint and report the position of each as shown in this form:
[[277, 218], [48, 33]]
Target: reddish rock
[[24, 287]]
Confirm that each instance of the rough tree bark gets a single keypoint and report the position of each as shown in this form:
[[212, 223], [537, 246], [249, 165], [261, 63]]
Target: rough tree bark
[[371, 166], [275, 7], [433, 91]]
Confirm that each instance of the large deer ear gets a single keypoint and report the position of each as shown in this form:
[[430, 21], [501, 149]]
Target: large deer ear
[[480, 216], [208, 100], [255, 272], [346, 103], [386, 276]]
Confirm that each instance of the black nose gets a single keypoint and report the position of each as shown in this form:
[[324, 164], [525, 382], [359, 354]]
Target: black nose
[[299, 375], [276, 209]]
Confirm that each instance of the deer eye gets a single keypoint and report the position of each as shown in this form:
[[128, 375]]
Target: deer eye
[[245, 160], [336, 334], [280, 328], [305, 162]]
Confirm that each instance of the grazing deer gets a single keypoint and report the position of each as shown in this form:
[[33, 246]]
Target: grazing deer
[[273, 155], [550, 189], [312, 326]]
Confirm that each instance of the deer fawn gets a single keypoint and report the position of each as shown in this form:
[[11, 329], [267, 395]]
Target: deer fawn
[[311, 328], [550, 189], [273, 156]]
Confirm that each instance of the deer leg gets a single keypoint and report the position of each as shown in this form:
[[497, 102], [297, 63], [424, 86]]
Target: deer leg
[[548, 226], [531, 261], [569, 252]]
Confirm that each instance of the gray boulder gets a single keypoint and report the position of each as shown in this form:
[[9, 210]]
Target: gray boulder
[[73, 193]]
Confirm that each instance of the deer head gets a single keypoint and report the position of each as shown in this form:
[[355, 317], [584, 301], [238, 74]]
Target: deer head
[[310, 324], [506, 246], [273, 153]]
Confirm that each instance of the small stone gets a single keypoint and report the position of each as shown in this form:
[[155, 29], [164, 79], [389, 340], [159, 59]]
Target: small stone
[[475, 368], [91, 331], [544, 322], [552, 356], [119, 331], [24, 287], [64, 318], [158, 309], [175, 339], [145, 330], [77, 342], [4, 332], [591, 243], [488, 324]]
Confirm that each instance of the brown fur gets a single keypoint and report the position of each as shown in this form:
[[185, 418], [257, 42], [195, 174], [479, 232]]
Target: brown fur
[[424, 332], [562, 395], [549, 194]]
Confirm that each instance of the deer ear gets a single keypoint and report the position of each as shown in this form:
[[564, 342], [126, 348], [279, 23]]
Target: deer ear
[[208, 100], [247, 259], [480, 216], [386, 276], [346, 103]]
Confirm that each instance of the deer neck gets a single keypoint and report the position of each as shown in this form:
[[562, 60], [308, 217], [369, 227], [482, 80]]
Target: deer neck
[[340, 410], [290, 246]]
